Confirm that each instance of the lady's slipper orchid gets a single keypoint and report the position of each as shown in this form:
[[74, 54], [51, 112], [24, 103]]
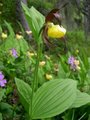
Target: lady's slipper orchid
[[56, 31], [50, 30]]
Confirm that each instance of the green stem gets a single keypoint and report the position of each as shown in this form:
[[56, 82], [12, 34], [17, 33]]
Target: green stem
[[73, 114], [37, 67], [35, 80]]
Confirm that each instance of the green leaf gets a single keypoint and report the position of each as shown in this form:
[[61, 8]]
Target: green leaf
[[0, 29], [53, 98], [61, 72], [19, 45], [11, 42], [10, 29], [25, 92], [6, 109], [8, 44], [35, 20], [0, 116], [81, 99], [2, 91], [1, 65], [23, 45], [41, 76]]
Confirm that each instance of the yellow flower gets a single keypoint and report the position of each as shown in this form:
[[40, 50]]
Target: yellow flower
[[42, 63], [18, 36], [29, 32], [48, 76], [55, 31], [30, 54], [78, 68], [76, 62], [4, 35]]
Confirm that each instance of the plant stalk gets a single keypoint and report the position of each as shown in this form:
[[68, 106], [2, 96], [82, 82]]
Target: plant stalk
[[35, 80]]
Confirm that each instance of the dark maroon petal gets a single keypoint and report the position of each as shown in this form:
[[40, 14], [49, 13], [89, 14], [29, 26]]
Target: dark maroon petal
[[50, 15]]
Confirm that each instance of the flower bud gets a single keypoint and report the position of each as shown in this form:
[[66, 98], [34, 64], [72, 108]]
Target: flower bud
[[48, 76], [29, 32], [42, 63], [4, 35], [30, 54], [18, 36]]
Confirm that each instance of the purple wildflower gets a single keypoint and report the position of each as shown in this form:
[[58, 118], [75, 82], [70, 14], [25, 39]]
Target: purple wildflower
[[71, 60], [2, 80], [14, 52], [74, 64], [73, 67]]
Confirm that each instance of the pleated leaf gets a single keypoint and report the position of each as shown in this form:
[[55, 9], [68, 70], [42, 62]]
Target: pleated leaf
[[81, 99], [35, 20], [25, 92], [10, 42], [23, 45], [53, 98], [10, 29]]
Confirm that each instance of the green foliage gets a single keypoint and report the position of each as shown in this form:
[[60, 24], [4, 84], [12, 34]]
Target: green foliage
[[42, 7], [6, 109], [53, 98], [25, 92], [12, 42], [82, 99], [2, 92], [76, 35], [12, 67], [35, 20], [62, 96], [7, 61], [76, 40], [8, 10], [45, 102], [0, 116]]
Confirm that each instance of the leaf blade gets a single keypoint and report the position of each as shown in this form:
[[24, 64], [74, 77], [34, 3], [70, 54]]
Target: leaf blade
[[81, 99], [48, 105], [25, 92]]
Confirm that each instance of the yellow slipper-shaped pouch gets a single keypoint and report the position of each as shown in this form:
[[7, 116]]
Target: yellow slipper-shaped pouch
[[56, 31]]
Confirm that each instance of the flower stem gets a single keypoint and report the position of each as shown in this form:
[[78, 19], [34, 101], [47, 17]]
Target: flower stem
[[35, 80]]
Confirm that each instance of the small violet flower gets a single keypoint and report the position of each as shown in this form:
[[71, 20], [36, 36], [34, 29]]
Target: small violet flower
[[74, 64], [71, 60], [2, 80], [14, 52]]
